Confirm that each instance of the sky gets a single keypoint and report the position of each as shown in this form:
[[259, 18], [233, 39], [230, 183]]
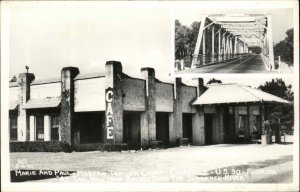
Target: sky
[[48, 38]]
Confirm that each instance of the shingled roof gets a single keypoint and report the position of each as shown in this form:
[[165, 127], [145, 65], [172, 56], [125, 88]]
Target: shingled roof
[[235, 93]]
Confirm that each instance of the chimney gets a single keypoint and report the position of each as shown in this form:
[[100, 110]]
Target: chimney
[[67, 121], [24, 95], [200, 87]]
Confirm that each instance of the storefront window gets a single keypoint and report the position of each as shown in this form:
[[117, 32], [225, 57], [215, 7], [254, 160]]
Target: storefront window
[[55, 127], [39, 127], [13, 122]]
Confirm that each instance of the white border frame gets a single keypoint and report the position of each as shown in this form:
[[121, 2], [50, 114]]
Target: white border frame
[[7, 186]]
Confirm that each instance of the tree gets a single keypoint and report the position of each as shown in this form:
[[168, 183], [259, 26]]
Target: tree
[[285, 48], [280, 114], [213, 80], [181, 40], [185, 39]]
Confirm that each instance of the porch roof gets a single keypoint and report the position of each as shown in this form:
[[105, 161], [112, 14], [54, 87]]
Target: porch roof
[[235, 93], [48, 102], [13, 105]]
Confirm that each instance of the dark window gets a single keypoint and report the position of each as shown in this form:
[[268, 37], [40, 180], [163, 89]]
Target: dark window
[[91, 126], [242, 121], [55, 127], [39, 124], [242, 125], [13, 124]]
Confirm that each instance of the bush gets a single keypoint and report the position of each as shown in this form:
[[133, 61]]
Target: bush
[[113, 147], [39, 146], [156, 145], [183, 142]]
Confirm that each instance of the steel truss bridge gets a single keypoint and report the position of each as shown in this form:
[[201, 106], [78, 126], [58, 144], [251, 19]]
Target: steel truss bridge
[[223, 38]]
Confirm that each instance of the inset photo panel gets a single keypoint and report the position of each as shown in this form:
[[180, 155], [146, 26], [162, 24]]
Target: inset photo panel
[[149, 96], [234, 41]]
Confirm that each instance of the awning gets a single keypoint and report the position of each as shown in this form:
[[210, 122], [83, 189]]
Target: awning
[[13, 105], [48, 102], [235, 93]]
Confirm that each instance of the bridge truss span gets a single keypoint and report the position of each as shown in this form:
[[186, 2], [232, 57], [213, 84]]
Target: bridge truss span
[[227, 37]]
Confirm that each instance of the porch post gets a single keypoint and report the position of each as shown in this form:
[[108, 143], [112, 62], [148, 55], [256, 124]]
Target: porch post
[[220, 129], [247, 130], [265, 137], [32, 128], [47, 128]]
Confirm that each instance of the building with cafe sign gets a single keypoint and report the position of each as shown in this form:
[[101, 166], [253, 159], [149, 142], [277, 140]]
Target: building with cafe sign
[[87, 110]]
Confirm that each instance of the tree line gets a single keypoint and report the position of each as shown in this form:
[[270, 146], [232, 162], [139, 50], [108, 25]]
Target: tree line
[[285, 48]]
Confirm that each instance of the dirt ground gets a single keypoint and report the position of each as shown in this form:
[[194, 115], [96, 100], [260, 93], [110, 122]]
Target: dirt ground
[[214, 163]]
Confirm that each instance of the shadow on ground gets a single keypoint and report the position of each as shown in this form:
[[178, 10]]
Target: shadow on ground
[[28, 175]]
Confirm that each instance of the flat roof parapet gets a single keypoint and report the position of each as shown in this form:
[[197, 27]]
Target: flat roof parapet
[[46, 81], [89, 75]]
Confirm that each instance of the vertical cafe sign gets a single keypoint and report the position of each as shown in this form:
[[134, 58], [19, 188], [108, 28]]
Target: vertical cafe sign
[[109, 97]]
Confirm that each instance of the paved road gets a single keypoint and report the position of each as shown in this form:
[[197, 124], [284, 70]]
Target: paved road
[[248, 64]]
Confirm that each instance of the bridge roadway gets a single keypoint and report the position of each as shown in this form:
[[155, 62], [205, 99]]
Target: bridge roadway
[[252, 63]]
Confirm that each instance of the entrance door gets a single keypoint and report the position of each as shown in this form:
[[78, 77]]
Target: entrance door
[[131, 129], [187, 128], [39, 126], [229, 128], [162, 128], [255, 130], [208, 129]]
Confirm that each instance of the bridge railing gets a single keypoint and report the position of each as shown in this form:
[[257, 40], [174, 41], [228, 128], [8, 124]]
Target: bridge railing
[[202, 60], [271, 63]]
